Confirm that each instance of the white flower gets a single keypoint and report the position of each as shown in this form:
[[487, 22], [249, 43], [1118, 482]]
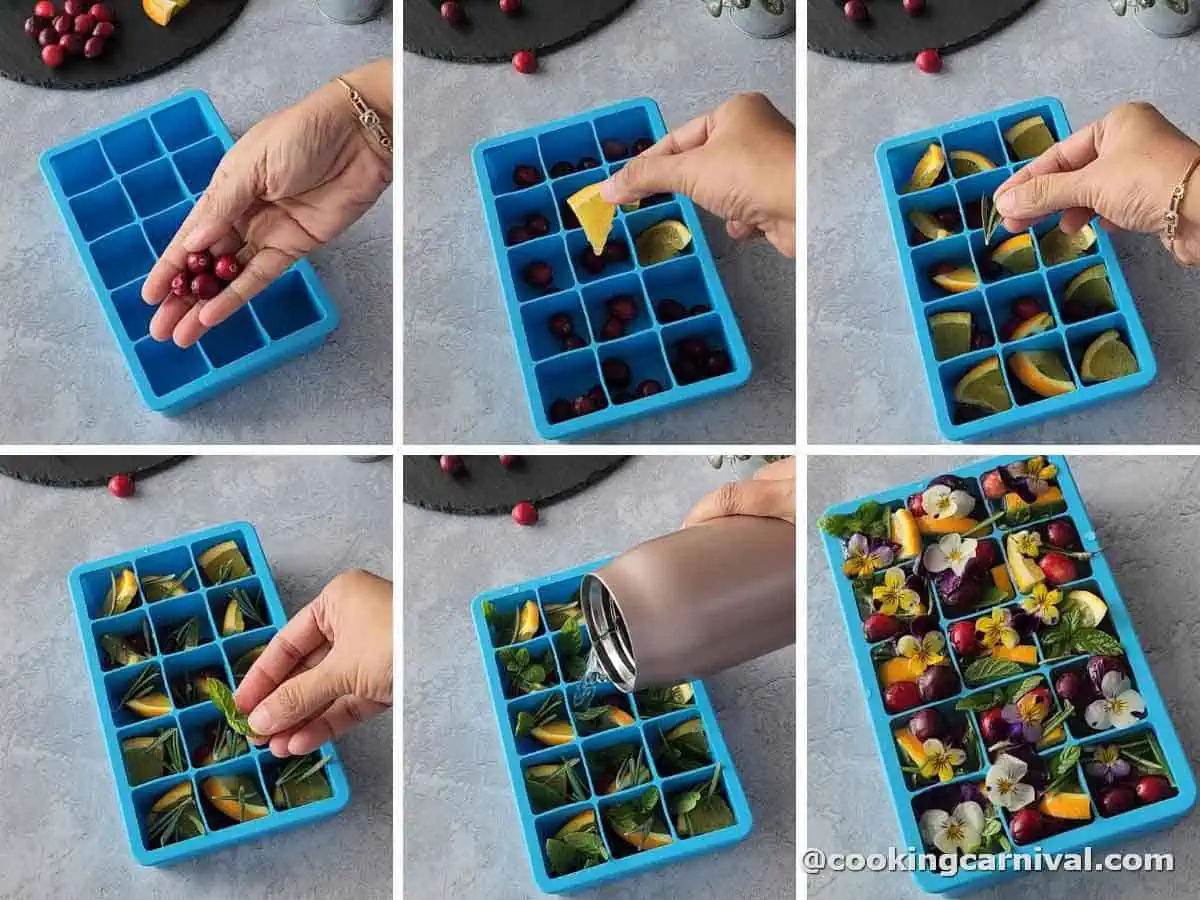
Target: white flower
[[1003, 785], [1117, 707], [952, 552], [959, 830], [942, 503]]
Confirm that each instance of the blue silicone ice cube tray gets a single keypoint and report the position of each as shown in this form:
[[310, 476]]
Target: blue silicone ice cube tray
[[123, 190], [990, 303], [649, 344], [216, 655], [1094, 576], [645, 733]]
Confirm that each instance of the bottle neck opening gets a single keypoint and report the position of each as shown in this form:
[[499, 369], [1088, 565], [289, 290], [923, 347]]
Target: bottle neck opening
[[610, 638]]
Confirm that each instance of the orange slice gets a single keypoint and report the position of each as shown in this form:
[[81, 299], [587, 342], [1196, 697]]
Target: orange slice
[[1043, 321], [156, 704], [898, 669], [161, 12], [527, 622], [1016, 255], [1066, 805], [927, 170], [221, 792], [1001, 580], [957, 280], [1042, 371], [906, 533], [912, 747], [1022, 653], [171, 797], [949, 525], [581, 822], [968, 162], [595, 215], [554, 733]]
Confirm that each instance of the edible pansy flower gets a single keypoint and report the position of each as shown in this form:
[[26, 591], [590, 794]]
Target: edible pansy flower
[[942, 503], [940, 760], [1107, 763], [952, 552], [894, 596], [1043, 604], [924, 652], [1025, 717], [997, 629], [1118, 705], [954, 831], [1028, 543], [865, 557], [1041, 468], [1003, 784]]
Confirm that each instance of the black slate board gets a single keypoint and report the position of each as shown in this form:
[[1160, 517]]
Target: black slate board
[[491, 36], [891, 34], [82, 471], [488, 488], [139, 50]]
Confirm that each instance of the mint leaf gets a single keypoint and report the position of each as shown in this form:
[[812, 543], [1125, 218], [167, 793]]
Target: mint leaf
[[1023, 688], [1096, 642], [981, 701], [988, 669]]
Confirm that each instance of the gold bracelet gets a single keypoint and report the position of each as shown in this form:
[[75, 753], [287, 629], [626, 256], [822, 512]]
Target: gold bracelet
[[1171, 217], [369, 119]]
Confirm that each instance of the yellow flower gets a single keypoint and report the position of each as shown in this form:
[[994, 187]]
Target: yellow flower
[[1043, 604], [997, 628], [926, 652], [863, 560], [1047, 472], [940, 760], [1028, 543], [892, 595]]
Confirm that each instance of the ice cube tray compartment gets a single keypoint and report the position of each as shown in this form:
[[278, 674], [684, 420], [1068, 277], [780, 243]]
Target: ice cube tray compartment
[[1097, 577], [643, 733], [983, 133], [548, 370], [123, 190], [88, 583]]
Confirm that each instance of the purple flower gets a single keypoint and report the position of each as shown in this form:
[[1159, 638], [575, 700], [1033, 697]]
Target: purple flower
[[1025, 719], [1108, 764], [866, 556]]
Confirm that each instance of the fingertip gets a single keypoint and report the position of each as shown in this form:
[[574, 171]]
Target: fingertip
[[610, 192]]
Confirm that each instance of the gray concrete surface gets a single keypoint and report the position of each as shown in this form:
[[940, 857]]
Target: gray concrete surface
[[1137, 506], [64, 379], [60, 824], [866, 383], [462, 383], [461, 830]]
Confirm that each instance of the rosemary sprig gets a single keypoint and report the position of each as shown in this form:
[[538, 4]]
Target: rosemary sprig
[[703, 810], [248, 608], [301, 782], [148, 681], [552, 785], [547, 712], [222, 696], [163, 587], [179, 821], [684, 747], [661, 700], [243, 664], [121, 593], [227, 744], [185, 636], [640, 817]]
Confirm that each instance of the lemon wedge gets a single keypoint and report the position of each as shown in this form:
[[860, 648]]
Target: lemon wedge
[[595, 215]]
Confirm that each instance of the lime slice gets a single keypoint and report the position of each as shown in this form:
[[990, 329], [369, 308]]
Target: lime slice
[[662, 241], [951, 334], [1029, 138], [1016, 254], [983, 386], [956, 280], [1106, 358], [927, 225], [928, 169], [1090, 291], [1092, 609], [1043, 321], [1042, 371], [968, 162], [1059, 247], [595, 215]]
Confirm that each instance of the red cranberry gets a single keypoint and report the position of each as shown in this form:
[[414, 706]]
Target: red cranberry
[[537, 225], [987, 554], [591, 263], [880, 627], [699, 309], [926, 725], [641, 145], [1025, 308], [692, 347], [916, 504], [121, 486], [1059, 569], [616, 252], [181, 285], [84, 23], [74, 7], [53, 55], [993, 485], [561, 168], [1008, 328], [47, 37], [718, 363], [648, 388], [613, 329], [901, 696], [569, 219], [198, 262], [1152, 788], [526, 176], [1061, 534], [588, 162], [560, 325], [451, 465], [992, 726], [227, 267], [855, 10], [452, 12], [560, 410], [104, 30], [94, 47], [583, 405], [72, 44], [614, 149], [670, 311], [623, 307], [617, 373], [510, 7], [1027, 825], [922, 625], [597, 396], [573, 342], [525, 513], [64, 24], [962, 637], [205, 286], [914, 7], [510, 462], [929, 61], [937, 683], [101, 13], [686, 371], [34, 26], [524, 62], [518, 235], [44, 9], [538, 275], [1116, 800], [1071, 688]]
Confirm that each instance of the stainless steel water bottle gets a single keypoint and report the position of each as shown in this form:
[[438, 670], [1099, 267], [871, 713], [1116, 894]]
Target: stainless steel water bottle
[[693, 602]]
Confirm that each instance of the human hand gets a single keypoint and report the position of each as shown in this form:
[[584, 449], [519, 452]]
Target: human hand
[[1122, 168], [293, 182], [738, 162], [327, 670], [770, 494]]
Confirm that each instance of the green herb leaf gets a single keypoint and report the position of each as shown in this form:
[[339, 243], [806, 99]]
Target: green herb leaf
[[1096, 642], [1022, 688], [991, 221], [988, 669], [980, 701], [222, 696]]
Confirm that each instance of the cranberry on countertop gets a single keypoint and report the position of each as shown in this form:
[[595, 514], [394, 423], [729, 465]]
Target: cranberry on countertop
[[525, 62], [121, 486], [929, 62], [525, 513]]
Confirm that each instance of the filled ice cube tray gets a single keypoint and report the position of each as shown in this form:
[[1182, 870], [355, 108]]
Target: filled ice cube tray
[[1013, 311], [980, 697], [635, 339], [177, 622], [643, 727], [123, 190]]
